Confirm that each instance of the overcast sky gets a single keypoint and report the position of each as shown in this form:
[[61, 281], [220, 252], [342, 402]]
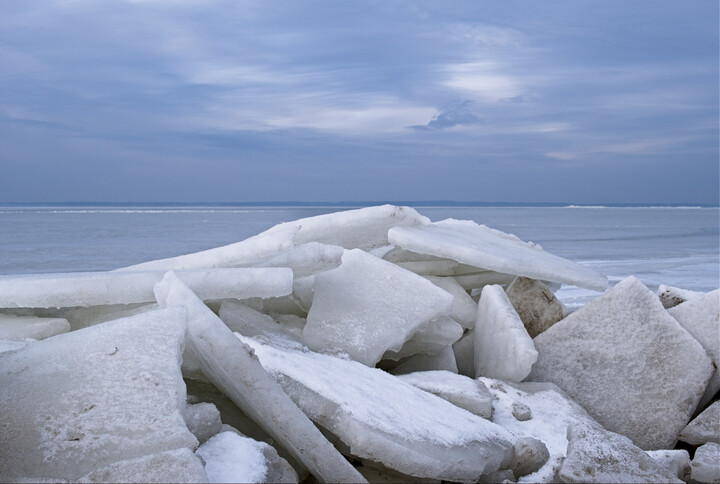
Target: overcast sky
[[211, 100]]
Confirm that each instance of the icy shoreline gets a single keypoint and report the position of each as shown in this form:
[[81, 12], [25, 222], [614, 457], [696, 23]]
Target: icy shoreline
[[371, 344]]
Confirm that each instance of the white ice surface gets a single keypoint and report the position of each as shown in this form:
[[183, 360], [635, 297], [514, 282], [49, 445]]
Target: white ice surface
[[231, 458], [429, 340], [704, 428], [249, 322], [483, 247], [21, 327], [203, 420], [307, 259], [383, 419], [464, 308], [464, 392], [177, 465]]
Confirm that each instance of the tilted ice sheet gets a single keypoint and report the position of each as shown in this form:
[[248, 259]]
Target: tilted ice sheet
[[368, 306], [383, 419], [464, 392], [99, 288], [481, 246]]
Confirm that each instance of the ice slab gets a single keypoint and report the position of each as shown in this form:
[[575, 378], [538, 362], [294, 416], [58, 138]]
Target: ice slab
[[677, 461], [99, 288], [21, 327], [383, 419], [503, 348], [464, 392], [480, 246], [536, 305], [703, 428], [117, 394], [364, 228], [705, 466], [671, 296], [178, 465], [442, 360], [246, 253], [429, 340], [628, 363], [233, 368], [307, 259], [248, 322], [84, 317], [368, 306], [464, 308], [596, 455]]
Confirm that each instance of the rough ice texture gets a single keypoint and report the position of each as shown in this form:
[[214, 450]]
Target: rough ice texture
[[536, 305], [231, 458], [97, 288], [705, 466], [464, 392], [233, 368], [383, 419], [464, 308], [480, 246], [628, 363], [442, 360], [21, 327], [246, 253], [363, 228], [368, 306], [179, 465], [203, 420], [677, 461], [503, 348], [671, 296], [118, 394], [429, 340], [703, 428], [596, 455], [464, 350], [307, 259]]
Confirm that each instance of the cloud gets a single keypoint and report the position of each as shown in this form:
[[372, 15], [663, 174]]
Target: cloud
[[458, 113]]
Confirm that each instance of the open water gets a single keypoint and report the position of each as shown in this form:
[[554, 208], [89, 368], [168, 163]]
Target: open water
[[660, 245]]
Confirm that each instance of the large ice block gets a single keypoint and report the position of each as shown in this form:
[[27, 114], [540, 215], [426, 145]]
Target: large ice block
[[99, 288], [628, 363], [464, 308], [233, 368], [383, 419], [480, 246], [83, 400], [368, 306]]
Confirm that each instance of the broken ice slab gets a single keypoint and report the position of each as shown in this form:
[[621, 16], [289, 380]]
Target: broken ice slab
[[503, 348], [249, 322], [464, 308], [628, 363], [363, 228], [704, 428], [83, 400], [232, 367], [307, 259], [21, 327], [240, 254], [99, 288], [429, 340], [442, 360], [383, 419], [464, 392], [368, 306], [178, 465], [671, 296], [483, 247], [536, 305]]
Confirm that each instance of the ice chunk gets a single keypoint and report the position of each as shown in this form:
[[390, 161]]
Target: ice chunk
[[429, 340], [248, 252], [464, 392], [232, 367], [83, 400], [383, 419], [503, 348], [671, 296], [307, 259], [677, 461], [364, 228], [178, 465], [96, 288], [248, 322], [203, 420], [628, 363], [705, 466], [536, 305], [464, 308], [442, 360], [304, 291], [19, 328], [368, 306], [703, 428], [596, 455], [480, 246]]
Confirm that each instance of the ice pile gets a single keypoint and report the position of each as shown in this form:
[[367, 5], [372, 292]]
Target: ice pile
[[367, 345]]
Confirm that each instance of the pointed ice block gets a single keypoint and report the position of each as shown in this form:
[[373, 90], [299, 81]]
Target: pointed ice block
[[480, 246]]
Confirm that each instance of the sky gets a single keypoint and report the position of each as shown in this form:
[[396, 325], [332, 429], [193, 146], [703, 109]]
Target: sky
[[592, 101]]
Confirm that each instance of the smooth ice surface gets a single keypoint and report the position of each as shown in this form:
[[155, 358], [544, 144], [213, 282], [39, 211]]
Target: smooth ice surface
[[98, 288], [671, 296], [464, 308], [442, 360], [248, 252], [536, 305], [363, 228], [503, 348], [628, 363], [383, 419], [480, 246], [368, 306], [307, 259], [429, 340], [705, 466], [464, 392], [21, 327], [596, 455], [703, 428], [249, 322], [231, 458], [233, 368], [86, 399], [178, 465]]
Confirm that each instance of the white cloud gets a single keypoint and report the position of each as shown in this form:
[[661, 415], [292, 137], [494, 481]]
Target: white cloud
[[482, 81]]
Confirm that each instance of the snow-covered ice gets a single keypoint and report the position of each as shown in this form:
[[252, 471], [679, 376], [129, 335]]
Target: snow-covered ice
[[703, 428], [464, 392]]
